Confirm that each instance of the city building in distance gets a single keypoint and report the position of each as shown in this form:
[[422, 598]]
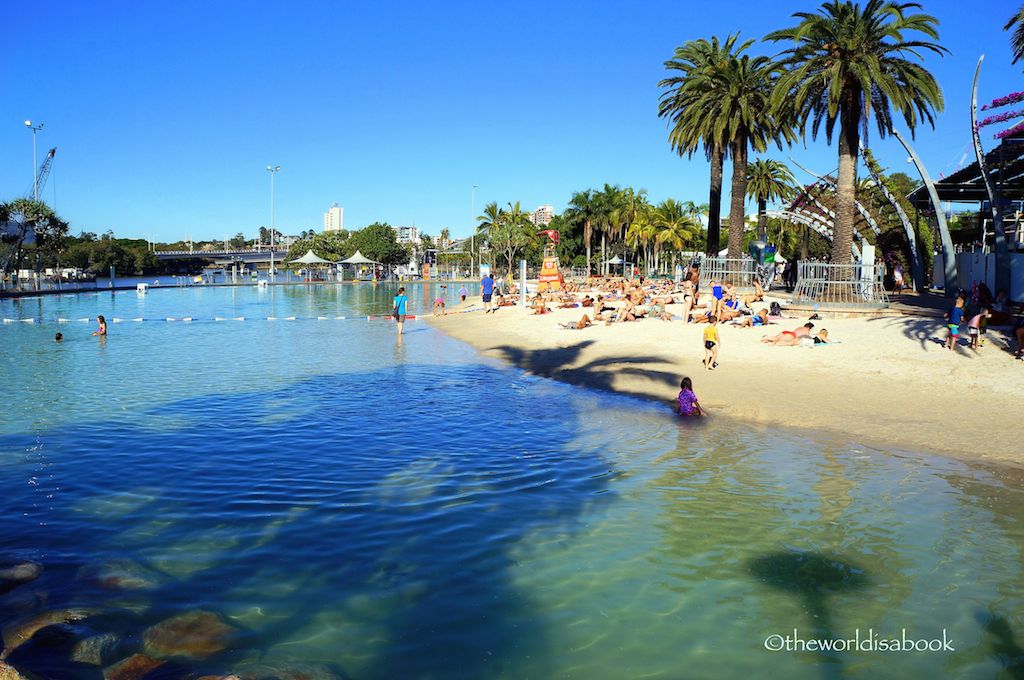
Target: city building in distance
[[543, 215], [407, 235], [334, 218]]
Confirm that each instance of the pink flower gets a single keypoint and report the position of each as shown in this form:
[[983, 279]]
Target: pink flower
[[1000, 117], [1011, 98], [1019, 127]]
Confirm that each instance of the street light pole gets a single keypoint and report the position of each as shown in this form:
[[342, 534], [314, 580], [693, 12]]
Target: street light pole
[[273, 171], [35, 168], [472, 234]]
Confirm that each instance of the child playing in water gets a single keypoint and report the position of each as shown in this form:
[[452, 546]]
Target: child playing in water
[[711, 343], [103, 325], [686, 403], [463, 292]]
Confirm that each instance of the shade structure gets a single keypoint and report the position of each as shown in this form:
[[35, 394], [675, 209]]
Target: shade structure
[[311, 258], [359, 258], [614, 260]]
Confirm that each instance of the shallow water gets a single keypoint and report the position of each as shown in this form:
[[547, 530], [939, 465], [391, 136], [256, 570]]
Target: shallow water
[[405, 509]]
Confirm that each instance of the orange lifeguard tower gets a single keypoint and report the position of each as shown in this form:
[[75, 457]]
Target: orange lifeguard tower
[[550, 278]]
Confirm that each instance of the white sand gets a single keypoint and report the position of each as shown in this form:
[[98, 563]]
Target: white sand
[[888, 381]]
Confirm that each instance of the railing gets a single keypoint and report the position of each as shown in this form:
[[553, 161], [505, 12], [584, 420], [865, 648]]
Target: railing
[[841, 285], [741, 272]]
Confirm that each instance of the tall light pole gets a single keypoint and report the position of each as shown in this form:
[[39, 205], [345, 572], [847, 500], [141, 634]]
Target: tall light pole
[[472, 234], [273, 170], [35, 168]]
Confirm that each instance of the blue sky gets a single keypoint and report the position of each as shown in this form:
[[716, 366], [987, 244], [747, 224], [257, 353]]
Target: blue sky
[[166, 114]]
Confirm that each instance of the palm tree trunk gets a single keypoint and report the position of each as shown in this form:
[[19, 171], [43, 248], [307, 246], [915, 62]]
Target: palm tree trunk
[[738, 196], [805, 244], [604, 255], [715, 201], [846, 186], [588, 235], [762, 219]]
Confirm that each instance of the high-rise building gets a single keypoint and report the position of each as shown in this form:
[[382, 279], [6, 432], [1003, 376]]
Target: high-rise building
[[406, 235], [334, 218], [543, 215]]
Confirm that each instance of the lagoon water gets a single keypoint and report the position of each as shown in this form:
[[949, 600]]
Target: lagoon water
[[386, 509]]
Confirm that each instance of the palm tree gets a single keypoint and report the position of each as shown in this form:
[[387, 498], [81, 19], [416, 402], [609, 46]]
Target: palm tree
[[581, 211], [491, 217], [608, 217], [512, 232], [641, 233], [674, 226], [849, 63], [768, 180], [694, 125], [1016, 22]]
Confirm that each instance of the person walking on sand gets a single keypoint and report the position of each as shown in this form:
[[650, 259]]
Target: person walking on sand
[[954, 316], [711, 342], [400, 308], [486, 291]]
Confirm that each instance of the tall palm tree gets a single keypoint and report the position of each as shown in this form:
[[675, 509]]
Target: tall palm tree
[[608, 217], [1016, 22], [693, 125], [768, 180], [641, 233], [581, 212], [491, 218], [674, 226], [849, 62]]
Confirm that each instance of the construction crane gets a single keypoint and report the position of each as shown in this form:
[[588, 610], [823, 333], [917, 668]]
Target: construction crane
[[44, 172]]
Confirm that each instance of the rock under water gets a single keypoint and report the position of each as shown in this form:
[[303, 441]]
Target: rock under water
[[18, 633], [193, 635], [121, 574], [13, 576]]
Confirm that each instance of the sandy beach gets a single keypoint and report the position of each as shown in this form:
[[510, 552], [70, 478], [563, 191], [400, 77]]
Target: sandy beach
[[887, 382]]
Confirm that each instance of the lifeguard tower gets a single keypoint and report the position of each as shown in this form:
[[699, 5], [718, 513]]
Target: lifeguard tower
[[550, 278]]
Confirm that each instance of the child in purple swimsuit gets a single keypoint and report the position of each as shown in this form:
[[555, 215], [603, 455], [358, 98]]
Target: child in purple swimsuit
[[686, 403]]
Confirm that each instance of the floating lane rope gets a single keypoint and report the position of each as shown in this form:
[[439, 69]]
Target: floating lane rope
[[195, 319]]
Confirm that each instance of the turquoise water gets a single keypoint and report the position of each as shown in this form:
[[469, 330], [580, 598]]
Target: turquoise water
[[363, 507]]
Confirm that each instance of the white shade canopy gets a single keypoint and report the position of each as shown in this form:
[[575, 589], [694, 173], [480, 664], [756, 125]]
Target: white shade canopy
[[615, 260], [311, 258], [359, 258]]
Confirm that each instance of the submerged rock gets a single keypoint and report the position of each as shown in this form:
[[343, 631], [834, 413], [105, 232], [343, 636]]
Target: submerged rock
[[97, 650], [10, 673], [18, 633], [121, 574], [285, 671], [13, 576], [193, 635], [140, 666]]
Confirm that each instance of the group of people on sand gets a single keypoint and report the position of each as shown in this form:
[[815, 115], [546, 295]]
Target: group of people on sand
[[985, 310]]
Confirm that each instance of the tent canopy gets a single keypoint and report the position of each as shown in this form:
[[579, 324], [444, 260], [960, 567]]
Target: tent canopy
[[359, 258], [310, 258], [614, 260]]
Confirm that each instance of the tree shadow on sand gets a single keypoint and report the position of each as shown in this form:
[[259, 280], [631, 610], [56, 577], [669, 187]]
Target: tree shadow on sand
[[560, 363], [926, 331]]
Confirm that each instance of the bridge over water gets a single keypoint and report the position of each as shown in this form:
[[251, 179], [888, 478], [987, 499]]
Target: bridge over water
[[222, 256]]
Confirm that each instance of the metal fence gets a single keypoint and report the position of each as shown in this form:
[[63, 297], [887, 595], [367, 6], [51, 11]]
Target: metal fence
[[841, 285], [741, 272]]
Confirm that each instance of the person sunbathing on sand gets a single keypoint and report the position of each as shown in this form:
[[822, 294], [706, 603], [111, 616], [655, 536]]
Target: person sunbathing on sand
[[756, 296], [539, 307], [789, 338], [759, 319], [579, 325]]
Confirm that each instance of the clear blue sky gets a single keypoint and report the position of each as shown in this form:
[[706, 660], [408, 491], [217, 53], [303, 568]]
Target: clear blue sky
[[166, 114]]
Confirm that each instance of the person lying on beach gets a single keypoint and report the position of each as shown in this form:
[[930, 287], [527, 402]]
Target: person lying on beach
[[539, 307], [756, 296], [658, 312], [820, 339], [626, 313], [579, 325], [789, 338], [587, 301], [759, 319], [686, 403], [505, 302]]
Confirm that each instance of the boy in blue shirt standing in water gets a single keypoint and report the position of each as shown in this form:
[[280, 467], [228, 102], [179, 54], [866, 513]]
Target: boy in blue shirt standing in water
[[487, 291], [955, 316]]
